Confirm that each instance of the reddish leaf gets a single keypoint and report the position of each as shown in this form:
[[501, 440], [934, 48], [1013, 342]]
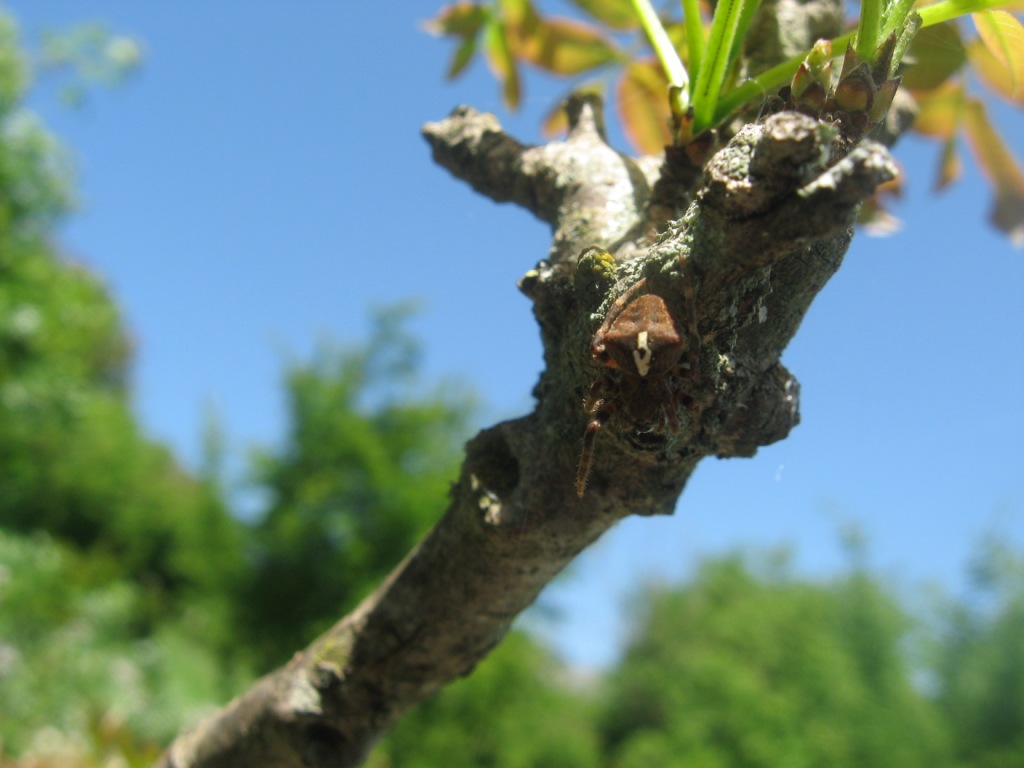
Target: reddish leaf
[[874, 214], [940, 111], [876, 219], [560, 46], [618, 14], [1002, 169], [935, 54], [643, 107], [993, 74], [950, 166], [1003, 35], [555, 122]]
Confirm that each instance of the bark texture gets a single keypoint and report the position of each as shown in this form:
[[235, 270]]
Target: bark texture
[[743, 246]]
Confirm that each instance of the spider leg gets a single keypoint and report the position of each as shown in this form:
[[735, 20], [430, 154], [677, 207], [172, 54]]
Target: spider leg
[[600, 410], [587, 454]]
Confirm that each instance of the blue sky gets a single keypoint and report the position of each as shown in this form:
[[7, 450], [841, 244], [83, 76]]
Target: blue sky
[[263, 184]]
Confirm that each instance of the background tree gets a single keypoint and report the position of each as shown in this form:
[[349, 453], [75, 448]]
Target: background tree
[[747, 666], [362, 474], [72, 458], [980, 663], [520, 709]]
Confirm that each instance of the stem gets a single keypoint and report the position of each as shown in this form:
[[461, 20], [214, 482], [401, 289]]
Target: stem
[[894, 16], [868, 28], [694, 34], [713, 70], [678, 79]]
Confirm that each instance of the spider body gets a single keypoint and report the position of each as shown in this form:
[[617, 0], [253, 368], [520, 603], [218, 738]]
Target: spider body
[[641, 351]]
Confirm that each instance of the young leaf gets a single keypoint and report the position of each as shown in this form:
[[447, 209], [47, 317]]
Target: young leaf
[[717, 60], [556, 121], [1002, 169], [464, 21], [934, 54], [561, 46], [695, 35], [462, 57], [617, 14], [993, 74], [501, 61], [1003, 35], [460, 19], [940, 112], [950, 165], [643, 108]]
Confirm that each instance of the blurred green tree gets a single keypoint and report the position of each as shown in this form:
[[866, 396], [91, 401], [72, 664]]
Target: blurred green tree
[[746, 667], [77, 680], [363, 472], [73, 459], [519, 709], [980, 663]]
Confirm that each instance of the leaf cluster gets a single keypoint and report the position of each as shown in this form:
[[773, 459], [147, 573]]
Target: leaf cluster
[[708, 66]]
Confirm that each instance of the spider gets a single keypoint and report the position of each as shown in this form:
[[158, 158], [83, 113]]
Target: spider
[[640, 342]]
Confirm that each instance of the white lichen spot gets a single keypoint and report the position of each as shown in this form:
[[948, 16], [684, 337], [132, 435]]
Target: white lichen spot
[[762, 313], [642, 354]]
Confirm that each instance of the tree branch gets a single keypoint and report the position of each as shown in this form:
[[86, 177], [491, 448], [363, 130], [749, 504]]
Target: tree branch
[[752, 244]]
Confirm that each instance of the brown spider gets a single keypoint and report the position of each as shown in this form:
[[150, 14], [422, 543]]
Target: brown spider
[[641, 344]]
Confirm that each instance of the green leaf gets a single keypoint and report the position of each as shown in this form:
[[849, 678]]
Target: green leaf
[[718, 59], [499, 55], [947, 10], [1002, 169], [935, 54], [643, 108], [462, 57], [462, 20], [617, 14], [1003, 35]]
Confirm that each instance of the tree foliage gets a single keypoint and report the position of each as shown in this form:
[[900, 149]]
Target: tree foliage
[[748, 666], [954, 65], [74, 462], [979, 663], [361, 475], [519, 709], [78, 675]]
